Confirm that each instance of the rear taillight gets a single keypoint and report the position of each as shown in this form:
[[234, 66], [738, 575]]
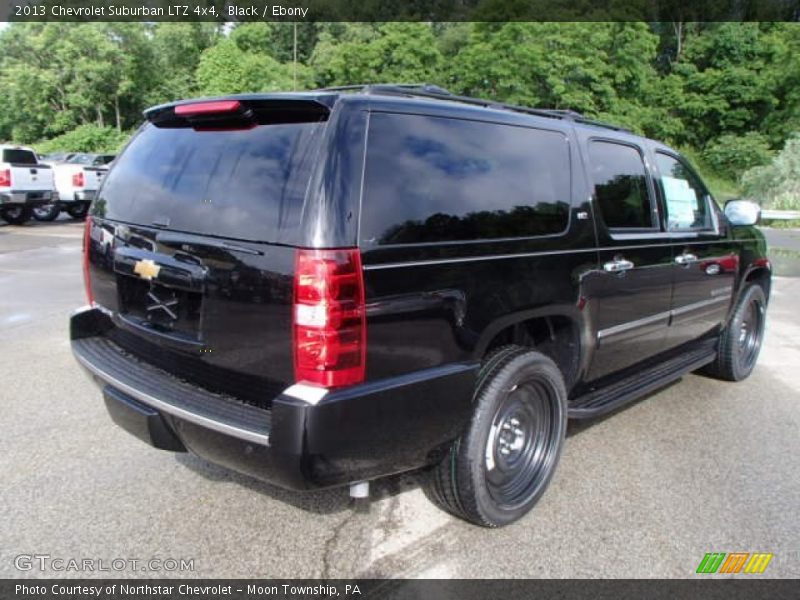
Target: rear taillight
[[5, 178], [87, 280], [330, 330], [77, 179]]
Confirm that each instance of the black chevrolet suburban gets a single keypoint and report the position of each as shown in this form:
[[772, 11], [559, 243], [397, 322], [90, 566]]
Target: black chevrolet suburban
[[325, 288]]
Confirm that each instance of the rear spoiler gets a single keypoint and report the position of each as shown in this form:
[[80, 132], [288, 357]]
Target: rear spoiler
[[242, 111]]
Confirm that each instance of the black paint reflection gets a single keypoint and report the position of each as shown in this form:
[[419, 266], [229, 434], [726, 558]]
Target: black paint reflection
[[519, 222], [433, 179], [620, 185]]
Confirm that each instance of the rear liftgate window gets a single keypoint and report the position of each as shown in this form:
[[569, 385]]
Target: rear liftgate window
[[246, 182], [433, 179], [19, 157]]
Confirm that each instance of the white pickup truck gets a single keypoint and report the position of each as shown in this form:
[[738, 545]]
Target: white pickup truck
[[25, 184], [77, 180]]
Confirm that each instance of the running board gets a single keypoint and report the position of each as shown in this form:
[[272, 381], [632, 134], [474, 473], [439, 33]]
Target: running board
[[606, 399]]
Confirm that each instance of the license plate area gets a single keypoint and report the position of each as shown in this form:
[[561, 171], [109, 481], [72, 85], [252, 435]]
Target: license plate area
[[162, 309]]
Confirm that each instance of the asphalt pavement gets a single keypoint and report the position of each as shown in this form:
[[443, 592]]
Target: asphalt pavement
[[701, 466]]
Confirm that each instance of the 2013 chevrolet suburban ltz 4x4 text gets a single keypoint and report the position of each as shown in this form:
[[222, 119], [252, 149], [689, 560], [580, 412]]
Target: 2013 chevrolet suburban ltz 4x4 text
[[325, 288]]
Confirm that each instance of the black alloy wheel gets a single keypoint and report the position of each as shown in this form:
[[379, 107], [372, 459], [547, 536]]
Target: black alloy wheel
[[741, 340], [498, 469]]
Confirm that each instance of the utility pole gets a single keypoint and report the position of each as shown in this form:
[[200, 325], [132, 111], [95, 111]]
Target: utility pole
[[294, 60]]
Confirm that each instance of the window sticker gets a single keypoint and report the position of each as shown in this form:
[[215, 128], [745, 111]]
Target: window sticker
[[681, 201]]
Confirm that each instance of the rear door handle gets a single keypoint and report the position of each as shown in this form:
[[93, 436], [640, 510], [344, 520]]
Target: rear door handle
[[617, 265], [685, 258]]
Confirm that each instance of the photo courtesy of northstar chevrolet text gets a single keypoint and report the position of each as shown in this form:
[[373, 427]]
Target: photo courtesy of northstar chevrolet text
[[352, 300]]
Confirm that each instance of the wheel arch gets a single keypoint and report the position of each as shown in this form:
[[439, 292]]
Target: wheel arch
[[559, 332], [760, 274]]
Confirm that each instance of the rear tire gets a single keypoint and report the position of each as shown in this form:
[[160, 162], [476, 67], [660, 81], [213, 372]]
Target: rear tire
[[740, 342], [501, 466], [48, 212], [78, 212], [16, 215]]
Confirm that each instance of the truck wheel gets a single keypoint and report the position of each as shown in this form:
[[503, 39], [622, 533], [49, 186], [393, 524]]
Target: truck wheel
[[47, 212], [15, 215], [500, 467], [78, 211], [740, 342]]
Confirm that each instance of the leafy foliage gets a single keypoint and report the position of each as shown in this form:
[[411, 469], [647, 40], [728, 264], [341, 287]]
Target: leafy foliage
[[777, 185], [731, 155], [227, 69], [727, 92], [86, 138], [371, 53]]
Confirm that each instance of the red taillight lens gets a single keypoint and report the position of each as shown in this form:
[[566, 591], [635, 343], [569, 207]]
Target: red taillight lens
[[207, 108], [77, 179], [330, 330], [87, 280], [5, 178]]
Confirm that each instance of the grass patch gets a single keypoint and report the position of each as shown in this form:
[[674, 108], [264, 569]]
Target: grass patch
[[781, 224]]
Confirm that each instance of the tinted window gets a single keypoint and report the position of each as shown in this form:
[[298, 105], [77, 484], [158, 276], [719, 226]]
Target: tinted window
[[684, 195], [246, 184], [81, 159], [431, 179], [620, 185], [19, 157]]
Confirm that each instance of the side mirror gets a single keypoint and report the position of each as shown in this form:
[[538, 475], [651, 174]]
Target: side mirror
[[742, 212]]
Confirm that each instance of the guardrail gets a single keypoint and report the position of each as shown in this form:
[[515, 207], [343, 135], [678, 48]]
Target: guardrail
[[780, 215]]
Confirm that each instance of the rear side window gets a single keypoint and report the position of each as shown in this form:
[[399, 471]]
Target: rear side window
[[247, 184], [433, 179], [80, 159], [620, 185], [19, 157]]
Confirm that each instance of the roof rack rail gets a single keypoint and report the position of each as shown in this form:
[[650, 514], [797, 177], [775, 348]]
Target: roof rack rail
[[427, 90], [367, 86]]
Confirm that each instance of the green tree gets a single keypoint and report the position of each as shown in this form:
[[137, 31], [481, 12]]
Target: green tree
[[226, 69], [177, 48], [86, 138], [726, 83], [283, 40], [599, 69], [254, 38], [728, 93], [784, 68], [732, 155], [389, 52], [777, 185], [56, 76]]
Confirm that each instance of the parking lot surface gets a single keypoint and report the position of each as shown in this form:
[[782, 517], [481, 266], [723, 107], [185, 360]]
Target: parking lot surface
[[701, 466]]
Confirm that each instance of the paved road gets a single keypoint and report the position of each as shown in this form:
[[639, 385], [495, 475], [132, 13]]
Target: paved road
[[785, 239], [701, 466]]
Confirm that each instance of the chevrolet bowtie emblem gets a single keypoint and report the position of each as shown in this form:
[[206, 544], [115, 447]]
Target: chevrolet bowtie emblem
[[146, 269]]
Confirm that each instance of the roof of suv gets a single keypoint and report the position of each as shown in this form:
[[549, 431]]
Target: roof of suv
[[410, 95], [433, 92]]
